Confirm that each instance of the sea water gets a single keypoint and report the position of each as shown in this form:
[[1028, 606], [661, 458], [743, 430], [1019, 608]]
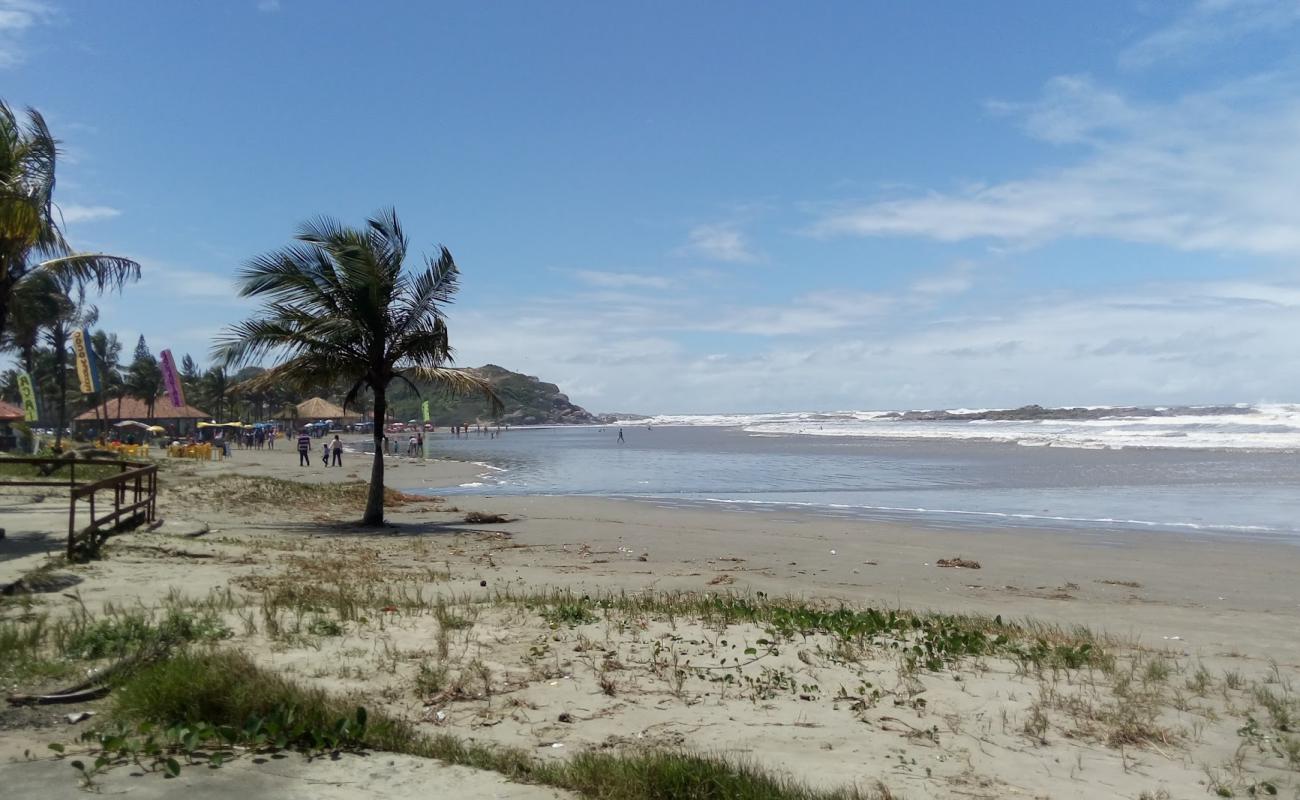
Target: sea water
[[957, 480]]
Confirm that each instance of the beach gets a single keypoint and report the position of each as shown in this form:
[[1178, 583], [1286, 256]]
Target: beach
[[585, 624]]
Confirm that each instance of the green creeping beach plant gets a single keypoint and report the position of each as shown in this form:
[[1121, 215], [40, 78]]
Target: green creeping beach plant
[[154, 748]]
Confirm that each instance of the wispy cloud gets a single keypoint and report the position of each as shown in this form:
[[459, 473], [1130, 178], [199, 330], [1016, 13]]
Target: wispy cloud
[[721, 242], [1209, 23], [75, 213], [268, 6], [1217, 170], [620, 280], [955, 281], [17, 18], [815, 312]]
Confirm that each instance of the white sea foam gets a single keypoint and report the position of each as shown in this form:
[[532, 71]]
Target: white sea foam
[[1260, 529], [1262, 427]]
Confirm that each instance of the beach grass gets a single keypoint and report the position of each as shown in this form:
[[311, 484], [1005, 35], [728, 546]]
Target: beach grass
[[217, 688]]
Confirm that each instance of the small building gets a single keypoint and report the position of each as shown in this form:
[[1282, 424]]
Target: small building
[[177, 421], [9, 413]]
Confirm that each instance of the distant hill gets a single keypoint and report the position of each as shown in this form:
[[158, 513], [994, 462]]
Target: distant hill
[[528, 401]]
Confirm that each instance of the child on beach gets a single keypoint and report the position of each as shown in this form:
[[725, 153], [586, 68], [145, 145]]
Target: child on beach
[[325, 453]]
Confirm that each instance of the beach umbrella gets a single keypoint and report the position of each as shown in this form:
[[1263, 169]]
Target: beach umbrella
[[157, 429], [130, 423]]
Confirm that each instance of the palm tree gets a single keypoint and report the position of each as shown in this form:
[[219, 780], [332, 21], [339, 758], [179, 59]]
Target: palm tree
[[108, 352], [216, 386], [72, 314], [37, 304], [340, 306], [31, 240]]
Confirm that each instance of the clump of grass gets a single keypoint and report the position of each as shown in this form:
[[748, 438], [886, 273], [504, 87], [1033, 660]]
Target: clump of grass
[[224, 688], [128, 633], [930, 641]]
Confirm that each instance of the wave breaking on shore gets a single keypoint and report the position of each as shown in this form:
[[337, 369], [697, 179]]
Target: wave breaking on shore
[[1274, 427]]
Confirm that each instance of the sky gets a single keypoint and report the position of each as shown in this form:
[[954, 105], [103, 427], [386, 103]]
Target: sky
[[680, 207]]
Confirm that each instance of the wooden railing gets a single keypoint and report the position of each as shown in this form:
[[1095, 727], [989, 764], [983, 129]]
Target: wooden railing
[[134, 496]]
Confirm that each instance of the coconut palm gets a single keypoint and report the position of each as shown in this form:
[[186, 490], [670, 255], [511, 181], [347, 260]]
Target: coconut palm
[[31, 239], [215, 386], [340, 307], [73, 314]]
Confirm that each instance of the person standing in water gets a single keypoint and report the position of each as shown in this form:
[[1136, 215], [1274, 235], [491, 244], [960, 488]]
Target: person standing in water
[[620, 436]]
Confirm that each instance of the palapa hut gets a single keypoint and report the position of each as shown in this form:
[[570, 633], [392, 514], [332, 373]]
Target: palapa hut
[[315, 410], [177, 421]]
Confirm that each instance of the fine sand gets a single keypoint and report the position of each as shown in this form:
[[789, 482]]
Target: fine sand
[[445, 623]]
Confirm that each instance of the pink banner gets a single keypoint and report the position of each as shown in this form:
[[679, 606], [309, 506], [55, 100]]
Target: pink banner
[[171, 379]]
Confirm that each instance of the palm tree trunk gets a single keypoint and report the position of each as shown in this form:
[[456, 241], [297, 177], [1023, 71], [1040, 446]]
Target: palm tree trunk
[[375, 501]]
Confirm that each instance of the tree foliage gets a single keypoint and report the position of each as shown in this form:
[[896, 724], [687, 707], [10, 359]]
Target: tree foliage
[[339, 305]]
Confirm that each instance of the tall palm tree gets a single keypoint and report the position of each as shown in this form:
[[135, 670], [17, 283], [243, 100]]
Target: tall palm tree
[[216, 386], [73, 313], [108, 354], [339, 306], [31, 239], [37, 304]]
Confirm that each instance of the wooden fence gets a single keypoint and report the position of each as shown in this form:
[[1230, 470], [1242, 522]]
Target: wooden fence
[[134, 500]]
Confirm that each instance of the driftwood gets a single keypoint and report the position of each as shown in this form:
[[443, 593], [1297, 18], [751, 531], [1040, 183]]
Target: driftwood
[[98, 685], [94, 693], [960, 563]]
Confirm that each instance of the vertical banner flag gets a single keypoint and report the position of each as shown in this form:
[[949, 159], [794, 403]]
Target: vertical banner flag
[[29, 396], [90, 360], [86, 373], [171, 379], [424, 407]]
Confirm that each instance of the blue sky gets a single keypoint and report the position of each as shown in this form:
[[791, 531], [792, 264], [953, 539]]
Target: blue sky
[[700, 207]]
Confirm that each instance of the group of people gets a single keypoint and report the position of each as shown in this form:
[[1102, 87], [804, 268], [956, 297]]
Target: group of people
[[331, 452], [256, 438]]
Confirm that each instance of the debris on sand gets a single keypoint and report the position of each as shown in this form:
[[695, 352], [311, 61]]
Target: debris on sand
[[959, 563], [484, 518]]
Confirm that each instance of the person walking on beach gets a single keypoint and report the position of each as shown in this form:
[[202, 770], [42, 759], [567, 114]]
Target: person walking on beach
[[621, 440], [325, 453], [304, 449], [336, 447]]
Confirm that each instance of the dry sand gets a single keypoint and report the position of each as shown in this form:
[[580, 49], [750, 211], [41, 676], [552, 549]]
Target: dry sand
[[1202, 626]]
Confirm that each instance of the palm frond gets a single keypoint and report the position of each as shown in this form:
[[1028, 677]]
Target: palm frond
[[106, 272], [457, 382]]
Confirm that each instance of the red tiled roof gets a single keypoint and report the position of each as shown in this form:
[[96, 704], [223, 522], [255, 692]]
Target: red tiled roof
[[137, 409], [9, 411]]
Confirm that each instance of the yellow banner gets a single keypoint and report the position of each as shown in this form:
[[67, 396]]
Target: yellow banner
[[82, 359], [28, 394]]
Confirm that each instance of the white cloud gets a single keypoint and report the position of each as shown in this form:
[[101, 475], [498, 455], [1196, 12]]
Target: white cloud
[[17, 18], [1217, 171], [76, 213], [620, 280], [815, 312], [1216, 341], [1209, 23], [723, 242], [268, 6], [955, 281]]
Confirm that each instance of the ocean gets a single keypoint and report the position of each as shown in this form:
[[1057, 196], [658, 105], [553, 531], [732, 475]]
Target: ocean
[[1194, 471]]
